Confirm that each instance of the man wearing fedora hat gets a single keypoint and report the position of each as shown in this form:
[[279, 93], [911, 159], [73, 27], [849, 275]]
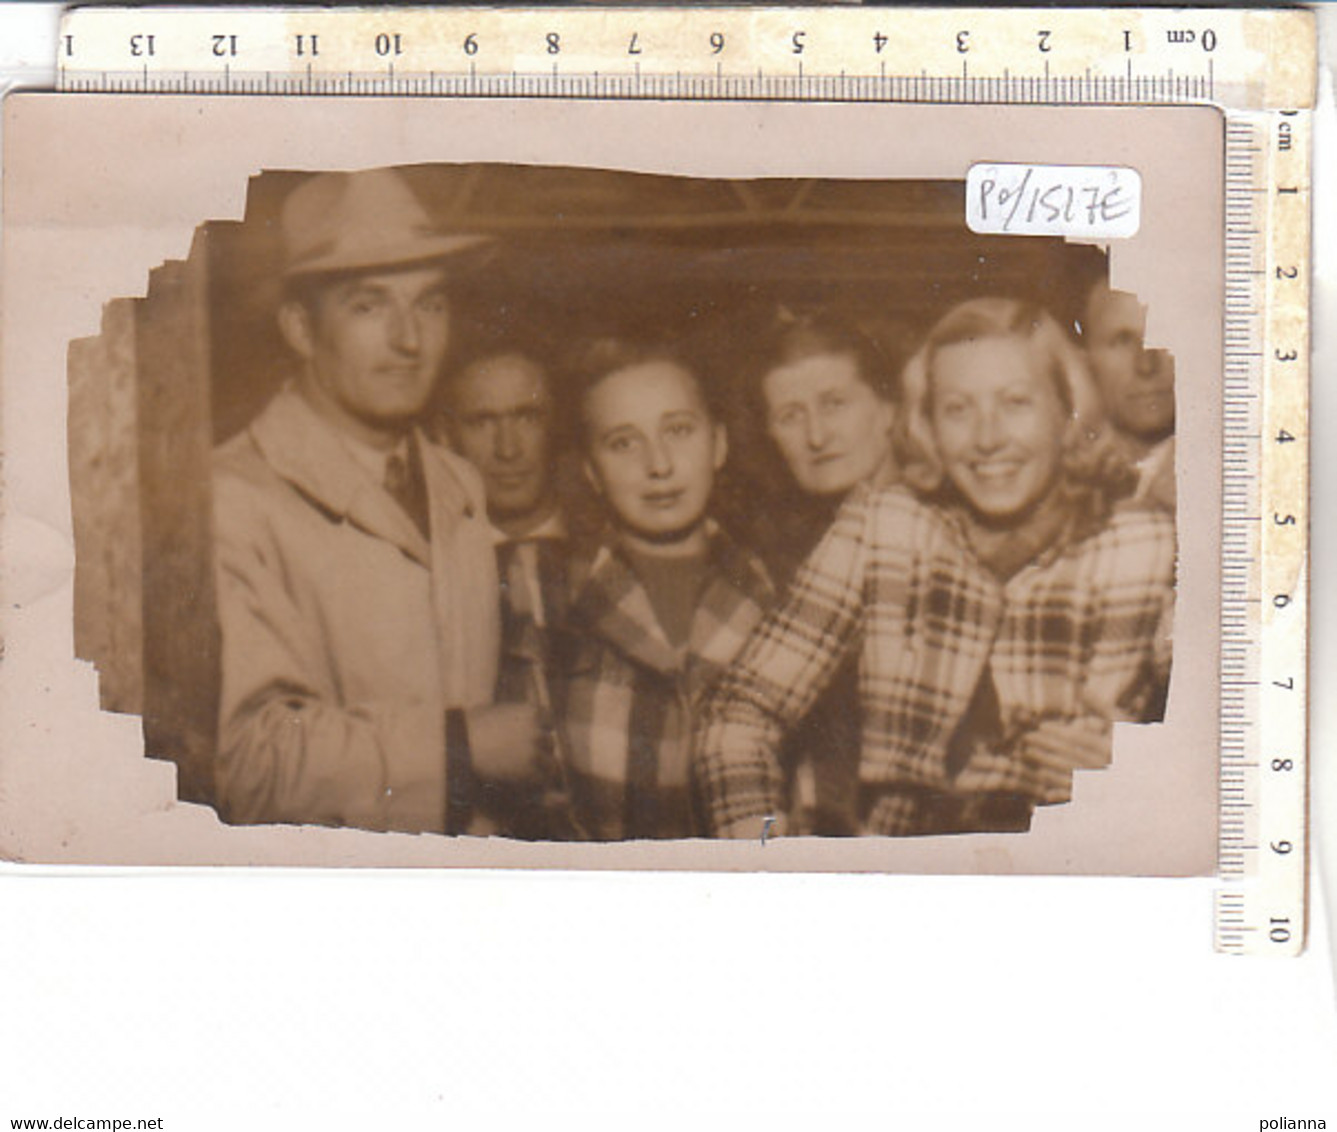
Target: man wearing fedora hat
[[358, 593]]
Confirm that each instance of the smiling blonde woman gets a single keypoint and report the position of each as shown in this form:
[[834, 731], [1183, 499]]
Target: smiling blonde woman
[[1003, 612]]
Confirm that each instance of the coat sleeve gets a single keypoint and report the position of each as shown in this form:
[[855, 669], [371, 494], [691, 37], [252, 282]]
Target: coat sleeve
[[1129, 670], [1126, 677], [289, 751], [782, 669]]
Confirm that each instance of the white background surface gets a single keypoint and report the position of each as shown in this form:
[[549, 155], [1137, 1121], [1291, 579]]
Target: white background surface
[[392, 1000]]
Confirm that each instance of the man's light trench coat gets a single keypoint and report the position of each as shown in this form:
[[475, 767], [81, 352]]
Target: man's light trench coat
[[345, 635]]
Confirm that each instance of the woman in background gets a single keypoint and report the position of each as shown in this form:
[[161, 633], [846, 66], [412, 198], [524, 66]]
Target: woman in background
[[825, 392], [826, 395], [1001, 612]]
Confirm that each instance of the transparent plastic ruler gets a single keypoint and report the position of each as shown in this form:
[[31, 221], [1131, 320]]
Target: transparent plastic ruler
[[1258, 67]]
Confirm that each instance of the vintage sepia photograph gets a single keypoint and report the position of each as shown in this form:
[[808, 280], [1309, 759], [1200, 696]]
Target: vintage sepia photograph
[[548, 507], [662, 566]]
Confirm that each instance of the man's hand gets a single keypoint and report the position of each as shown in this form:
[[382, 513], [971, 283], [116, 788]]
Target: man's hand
[[1070, 744], [507, 742]]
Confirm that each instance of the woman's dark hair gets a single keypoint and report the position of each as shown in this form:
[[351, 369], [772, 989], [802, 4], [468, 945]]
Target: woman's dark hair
[[794, 337], [603, 357]]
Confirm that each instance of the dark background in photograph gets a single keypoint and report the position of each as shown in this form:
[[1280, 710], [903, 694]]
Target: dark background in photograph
[[702, 264]]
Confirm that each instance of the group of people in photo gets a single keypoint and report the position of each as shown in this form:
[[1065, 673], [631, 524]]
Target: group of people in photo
[[495, 594]]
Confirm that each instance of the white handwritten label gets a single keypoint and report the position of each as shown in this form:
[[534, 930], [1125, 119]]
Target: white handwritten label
[[1092, 201]]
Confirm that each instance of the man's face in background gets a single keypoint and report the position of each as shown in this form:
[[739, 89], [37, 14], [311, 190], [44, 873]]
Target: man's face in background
[[500, 418], [1136, 384]]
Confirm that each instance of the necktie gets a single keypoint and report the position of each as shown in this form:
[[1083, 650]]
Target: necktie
[[406, 484]]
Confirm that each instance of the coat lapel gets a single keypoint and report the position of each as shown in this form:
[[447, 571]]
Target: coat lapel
[[737, 593], [614, 605], [372, 509], [308, 453]]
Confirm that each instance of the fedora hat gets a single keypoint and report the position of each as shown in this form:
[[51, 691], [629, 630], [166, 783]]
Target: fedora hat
[[336, 222]]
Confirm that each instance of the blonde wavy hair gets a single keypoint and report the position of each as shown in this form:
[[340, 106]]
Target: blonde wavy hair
[[1091, 463]]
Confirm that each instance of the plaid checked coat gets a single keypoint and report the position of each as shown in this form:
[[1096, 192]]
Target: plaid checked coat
[[629, 698], [1074, 641]]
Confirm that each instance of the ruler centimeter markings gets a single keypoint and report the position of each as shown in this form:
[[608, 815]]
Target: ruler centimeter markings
[[937, 55], [1256, 66], [1263, 837]]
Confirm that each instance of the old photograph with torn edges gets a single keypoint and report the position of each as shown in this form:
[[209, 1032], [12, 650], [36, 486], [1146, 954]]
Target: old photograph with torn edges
[[557, 503], [560, 504]]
